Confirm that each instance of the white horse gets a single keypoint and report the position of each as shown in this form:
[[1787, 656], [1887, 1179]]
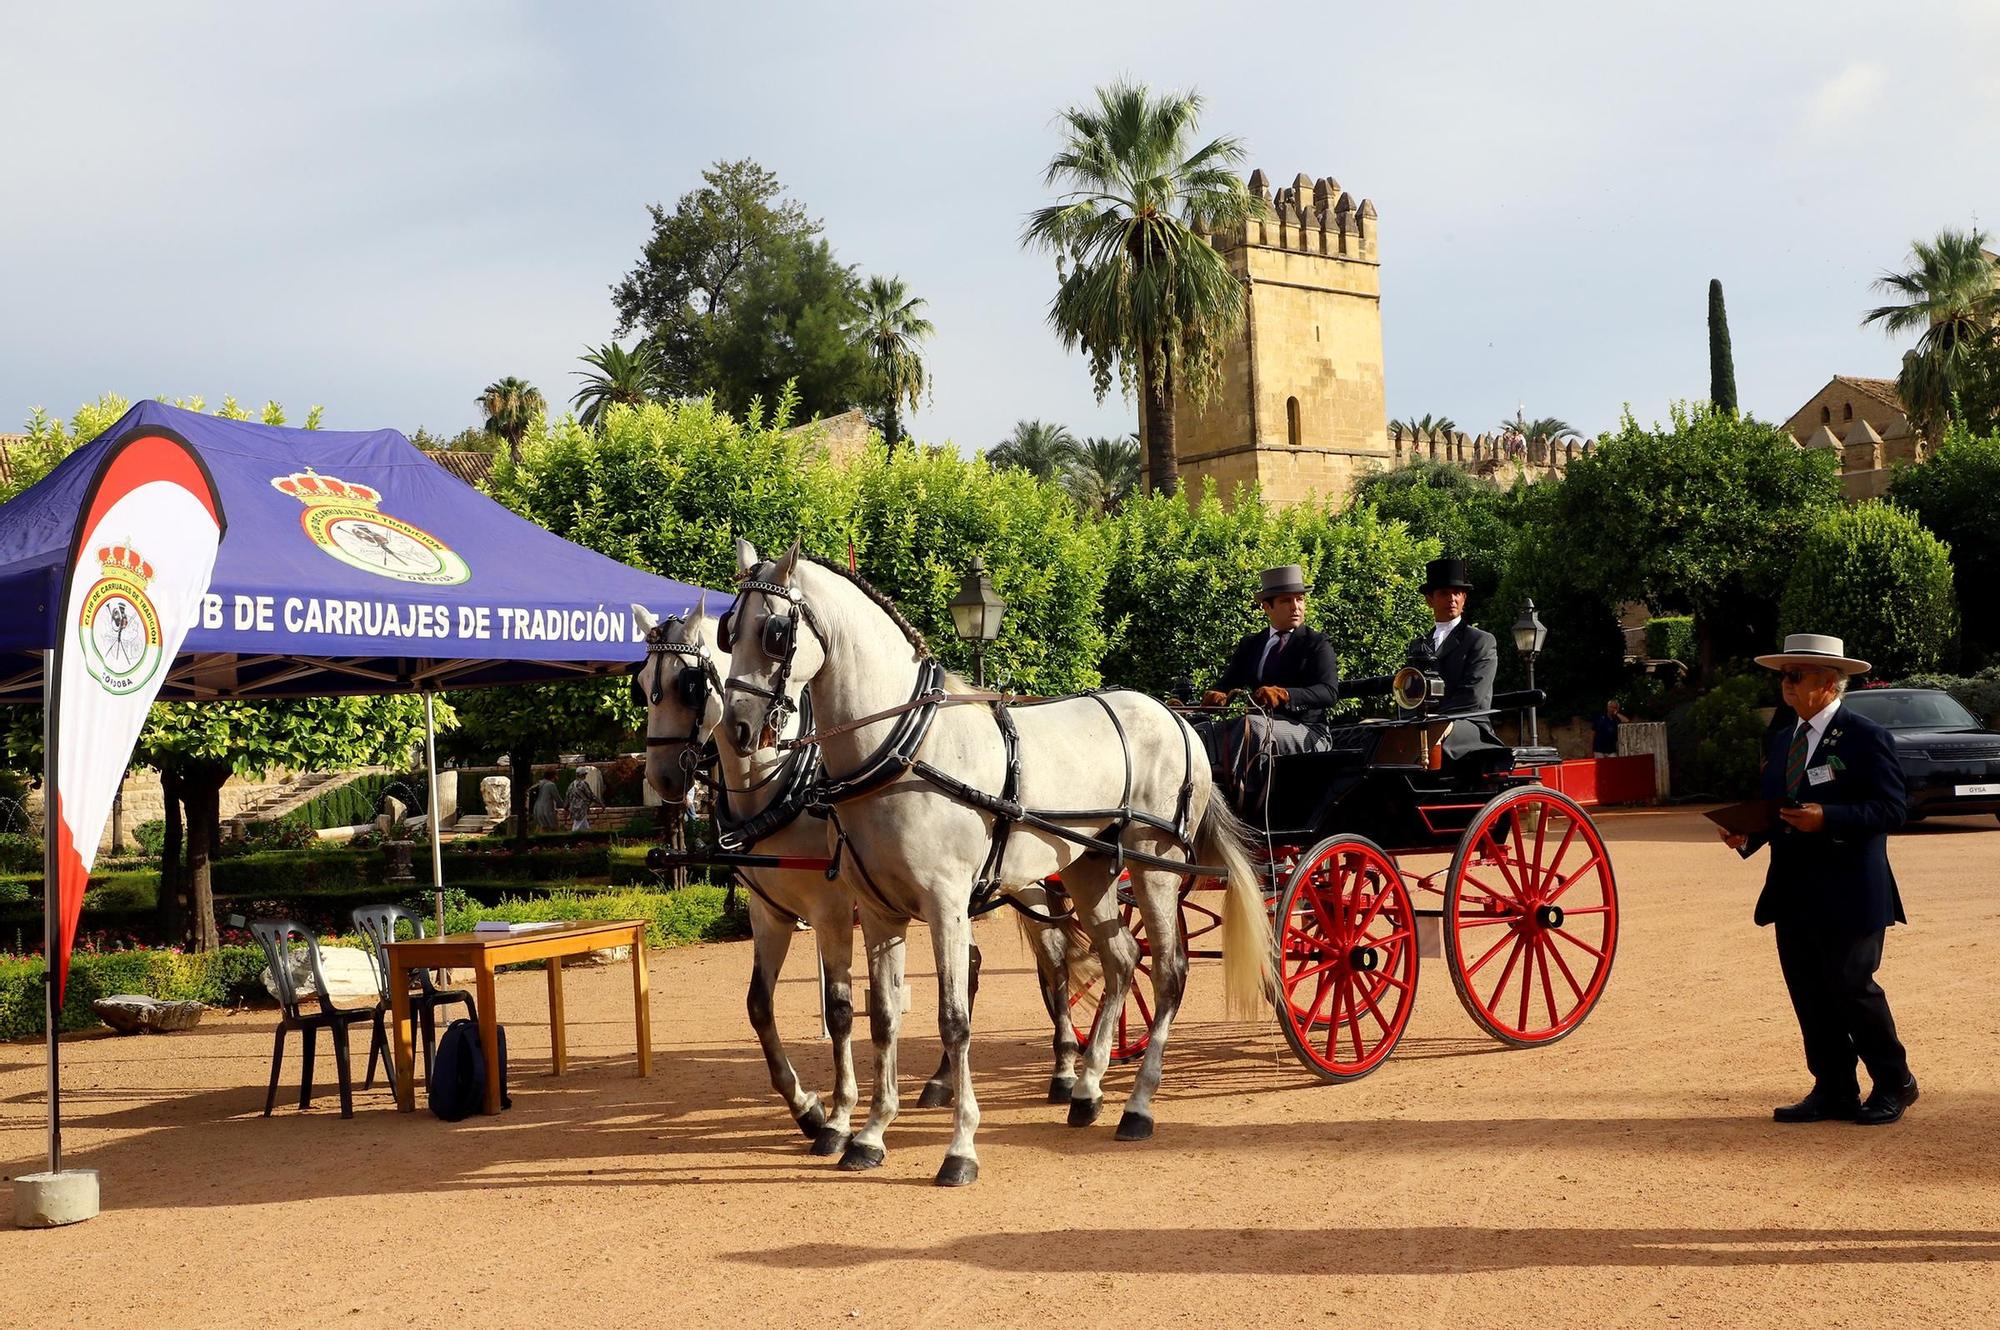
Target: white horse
[[919, 791], [680, 688]]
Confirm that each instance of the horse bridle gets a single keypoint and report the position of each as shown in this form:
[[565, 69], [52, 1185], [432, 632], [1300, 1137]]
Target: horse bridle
[[779, 639], [692, 684]]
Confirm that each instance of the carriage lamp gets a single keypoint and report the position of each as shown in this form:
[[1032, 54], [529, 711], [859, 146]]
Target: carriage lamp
[[1529, 635], [975, 613]]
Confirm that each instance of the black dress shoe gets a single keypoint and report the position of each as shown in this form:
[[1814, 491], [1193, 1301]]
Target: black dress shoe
[[1817, 1107], [1885, 1106]]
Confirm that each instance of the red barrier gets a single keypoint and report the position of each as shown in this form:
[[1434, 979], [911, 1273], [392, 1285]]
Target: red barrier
[[1602, 780]]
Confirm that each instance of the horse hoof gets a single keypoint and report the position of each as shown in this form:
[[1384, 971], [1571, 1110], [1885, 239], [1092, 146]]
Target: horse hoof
[[1135, 1127], [812, 1121], [957, 1171], [860, 1158], [830, 1142], [1083, 1112], [1060, 1087], [936, 1095]]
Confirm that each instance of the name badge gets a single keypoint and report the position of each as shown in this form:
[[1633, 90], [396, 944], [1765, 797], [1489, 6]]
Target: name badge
[[1819, 775]]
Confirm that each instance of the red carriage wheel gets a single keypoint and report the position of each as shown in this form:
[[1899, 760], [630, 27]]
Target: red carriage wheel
[[1347, 958], [1531, 916], [1135, 1018]]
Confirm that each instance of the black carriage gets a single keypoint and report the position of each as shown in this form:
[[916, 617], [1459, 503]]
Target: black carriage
[[1381, 849]]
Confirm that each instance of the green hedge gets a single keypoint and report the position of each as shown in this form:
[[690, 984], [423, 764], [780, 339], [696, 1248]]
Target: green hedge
[[1978, 693], [1671, 637], [673, 918], [1719, 739], [359, 800], [19, 853], [1874, 577]]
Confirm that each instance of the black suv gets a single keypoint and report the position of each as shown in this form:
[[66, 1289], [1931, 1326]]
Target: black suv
[[1951, 763]]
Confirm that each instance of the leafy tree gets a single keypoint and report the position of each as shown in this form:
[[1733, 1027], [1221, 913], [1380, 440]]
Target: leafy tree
[[1956, 493], [1721, 364], [617, 376], [1183, 583], [1872, 576], [1043, 450], [1103, 474], [1543, 436], [1140, 289], [471, 439], [535, 722], [197, 746], [1951, 292], [50, 438], [891, 328], [511, 406], [1702, 515], [1469, 517], [738, 294]]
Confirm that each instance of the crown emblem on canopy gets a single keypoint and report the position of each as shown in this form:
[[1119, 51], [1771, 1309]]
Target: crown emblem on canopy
[[126, 562], [310, 488]]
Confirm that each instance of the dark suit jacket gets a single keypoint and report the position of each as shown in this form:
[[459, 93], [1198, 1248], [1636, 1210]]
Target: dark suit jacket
[[1306, 667], [1469, 660], [1838, 877]]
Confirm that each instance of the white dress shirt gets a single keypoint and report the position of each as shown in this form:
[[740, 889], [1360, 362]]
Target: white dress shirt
[[1440, 633]]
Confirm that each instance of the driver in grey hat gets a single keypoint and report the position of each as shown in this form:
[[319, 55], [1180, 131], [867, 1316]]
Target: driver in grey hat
[[1291, 674]]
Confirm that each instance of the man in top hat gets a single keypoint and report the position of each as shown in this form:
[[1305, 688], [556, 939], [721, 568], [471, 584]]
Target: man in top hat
[[1464, 656], [1829, 888], [1290, 673]]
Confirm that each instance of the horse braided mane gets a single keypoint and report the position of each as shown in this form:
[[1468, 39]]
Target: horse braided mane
[[887, 606]]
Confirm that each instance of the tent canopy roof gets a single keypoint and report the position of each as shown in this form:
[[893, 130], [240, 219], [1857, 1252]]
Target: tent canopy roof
[[351, 564]]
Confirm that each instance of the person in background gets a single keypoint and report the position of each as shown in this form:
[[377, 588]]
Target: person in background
[[1604, 730]]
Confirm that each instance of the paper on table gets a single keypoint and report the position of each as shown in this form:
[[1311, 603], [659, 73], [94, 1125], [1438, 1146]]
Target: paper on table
[[502, 926], [1754, 817]]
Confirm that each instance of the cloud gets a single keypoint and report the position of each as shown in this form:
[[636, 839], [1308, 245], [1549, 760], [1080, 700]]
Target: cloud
[[1846, 97]]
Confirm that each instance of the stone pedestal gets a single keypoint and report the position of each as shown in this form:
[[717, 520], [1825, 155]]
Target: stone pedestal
[[494, 792], [1650, 738], [49, 1200]]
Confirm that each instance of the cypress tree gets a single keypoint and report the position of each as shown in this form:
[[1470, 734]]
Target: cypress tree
[[1721, 366]]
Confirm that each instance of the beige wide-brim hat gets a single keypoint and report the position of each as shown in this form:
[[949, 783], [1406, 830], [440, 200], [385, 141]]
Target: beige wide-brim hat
[[1814, 649]]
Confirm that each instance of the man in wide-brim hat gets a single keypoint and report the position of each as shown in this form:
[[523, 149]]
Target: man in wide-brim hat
[[1838, 787], [1292, 677]]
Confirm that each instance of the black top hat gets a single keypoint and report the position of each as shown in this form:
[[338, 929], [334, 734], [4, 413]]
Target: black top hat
[[1281, 581], [1446, 575]]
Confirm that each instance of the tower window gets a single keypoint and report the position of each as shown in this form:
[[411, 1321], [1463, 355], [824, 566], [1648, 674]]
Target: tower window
[[1826, 415], [1292, 420], [1847, 412]]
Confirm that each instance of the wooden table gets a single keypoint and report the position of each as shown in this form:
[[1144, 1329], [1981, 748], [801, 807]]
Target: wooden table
[[483, 953]]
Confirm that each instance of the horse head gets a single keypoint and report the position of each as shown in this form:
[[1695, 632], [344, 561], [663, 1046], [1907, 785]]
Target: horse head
[[775, 645], [680, 690]]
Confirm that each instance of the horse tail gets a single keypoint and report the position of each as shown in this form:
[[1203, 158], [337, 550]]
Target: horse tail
[[1248, 965]]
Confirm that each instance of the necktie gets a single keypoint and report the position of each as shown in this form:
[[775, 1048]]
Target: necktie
[[1795, 762], [1271, 654]]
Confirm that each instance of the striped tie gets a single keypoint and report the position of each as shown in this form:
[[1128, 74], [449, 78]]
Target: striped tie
[[1795, 762]]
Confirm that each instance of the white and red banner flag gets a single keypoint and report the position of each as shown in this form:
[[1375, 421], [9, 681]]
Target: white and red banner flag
[[139, 565]]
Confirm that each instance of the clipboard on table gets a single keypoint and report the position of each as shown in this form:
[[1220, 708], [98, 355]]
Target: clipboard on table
[[1753, 817]]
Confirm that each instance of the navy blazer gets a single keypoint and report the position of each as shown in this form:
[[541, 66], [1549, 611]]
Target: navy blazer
[[1838, 877], [1306, 667]]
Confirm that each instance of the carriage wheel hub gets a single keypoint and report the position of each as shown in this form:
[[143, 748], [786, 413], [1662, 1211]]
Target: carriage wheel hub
[[1364, 958], [1549, 916]]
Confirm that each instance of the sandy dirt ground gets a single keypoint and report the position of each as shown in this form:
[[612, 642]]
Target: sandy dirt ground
[[1629, 1175]]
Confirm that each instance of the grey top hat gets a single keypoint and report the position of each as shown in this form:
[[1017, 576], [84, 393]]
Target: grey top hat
[[1813, 649], [1282, 581]]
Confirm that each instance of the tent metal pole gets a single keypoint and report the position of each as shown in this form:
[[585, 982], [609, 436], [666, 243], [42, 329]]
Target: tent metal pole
[[51, 905], [436, 830]]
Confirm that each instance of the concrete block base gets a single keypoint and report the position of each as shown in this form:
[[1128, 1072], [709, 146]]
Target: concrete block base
[[47, 1200]]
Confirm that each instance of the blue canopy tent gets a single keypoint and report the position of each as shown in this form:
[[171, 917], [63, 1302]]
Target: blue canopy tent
[[352, 564]]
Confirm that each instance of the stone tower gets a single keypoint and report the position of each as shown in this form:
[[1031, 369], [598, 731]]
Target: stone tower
[[1300, 411]]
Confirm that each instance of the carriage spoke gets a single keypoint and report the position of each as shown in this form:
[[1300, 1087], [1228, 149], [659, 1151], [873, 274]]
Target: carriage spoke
[[1326, 986], [1555, 864], [1333, 1027], [1499, 861], [1354, 1024], [1505, 902], [1535, 864], [1527, 981], [1474, 968], [1574, 987], [1571, 880], [1298, 977], [1587, 909], [1513, 957], [1565, 933], [1489, 920], [1548, 989]]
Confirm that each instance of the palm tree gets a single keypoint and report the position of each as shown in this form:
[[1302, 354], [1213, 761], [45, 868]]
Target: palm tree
[[1043, 450], [1103, 472], [1140, 289], [1543, 436], [631, 377], [1951, 292], [1421, 429], [511, 405], [891, 327]]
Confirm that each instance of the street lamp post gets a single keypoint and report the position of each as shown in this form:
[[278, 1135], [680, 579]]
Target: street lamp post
[[975, 614], [1529, 635]]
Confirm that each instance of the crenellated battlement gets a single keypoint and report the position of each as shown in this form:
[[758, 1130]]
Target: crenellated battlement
[[1307, 217]]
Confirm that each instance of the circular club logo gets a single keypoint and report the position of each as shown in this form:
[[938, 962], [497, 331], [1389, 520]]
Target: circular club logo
[[346, 520], [120, 627]]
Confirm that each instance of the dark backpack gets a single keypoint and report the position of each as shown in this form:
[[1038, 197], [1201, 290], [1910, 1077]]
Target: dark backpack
[[458, 1076]]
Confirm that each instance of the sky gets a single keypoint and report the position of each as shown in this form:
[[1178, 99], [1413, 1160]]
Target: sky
[[381, 208]]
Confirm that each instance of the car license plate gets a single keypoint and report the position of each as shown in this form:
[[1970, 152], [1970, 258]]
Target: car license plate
[[1971, 791]]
